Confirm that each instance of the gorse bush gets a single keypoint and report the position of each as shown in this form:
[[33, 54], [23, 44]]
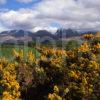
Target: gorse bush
[[56, 75]]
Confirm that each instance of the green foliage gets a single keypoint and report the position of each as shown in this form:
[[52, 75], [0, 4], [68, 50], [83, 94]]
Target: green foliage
[[72, 44]]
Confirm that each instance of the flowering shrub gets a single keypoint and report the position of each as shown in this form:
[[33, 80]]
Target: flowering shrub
[[57, 74], [8, 81]]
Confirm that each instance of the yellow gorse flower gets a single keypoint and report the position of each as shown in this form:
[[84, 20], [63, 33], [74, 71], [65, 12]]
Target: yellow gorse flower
[[1, 67], [10, 83], [84, 81], [18, 54], [56, 89], [84, 47], [88, 36], [73, 74], [31, 56], [54, 96], [94, 64], [7, 96], [15, 53], [97, 46]]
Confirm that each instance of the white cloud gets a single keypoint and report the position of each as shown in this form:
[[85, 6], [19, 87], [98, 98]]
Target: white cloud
[[17, 19], [25, 1], [51, 29], [3, 1], [90, 3], [66, 10], [80, 14]]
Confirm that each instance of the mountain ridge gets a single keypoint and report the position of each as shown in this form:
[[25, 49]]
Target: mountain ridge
[[22, 35]]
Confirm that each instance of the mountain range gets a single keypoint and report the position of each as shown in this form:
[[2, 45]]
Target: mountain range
[[14, 36]]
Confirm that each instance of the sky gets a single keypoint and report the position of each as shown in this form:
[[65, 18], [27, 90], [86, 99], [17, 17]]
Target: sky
[[33, 15]]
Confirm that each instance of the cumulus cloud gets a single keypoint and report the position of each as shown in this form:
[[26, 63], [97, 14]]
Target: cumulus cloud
[[25, 1], [76, 14], [17, 19]]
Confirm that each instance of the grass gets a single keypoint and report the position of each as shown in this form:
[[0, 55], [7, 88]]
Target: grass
[[7, 50]]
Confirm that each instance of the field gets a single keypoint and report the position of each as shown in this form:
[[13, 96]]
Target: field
[[45, 73], [7, 50]]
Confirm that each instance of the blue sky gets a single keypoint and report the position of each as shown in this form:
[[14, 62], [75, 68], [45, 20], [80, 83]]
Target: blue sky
[[15, 5], [49, 14]]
